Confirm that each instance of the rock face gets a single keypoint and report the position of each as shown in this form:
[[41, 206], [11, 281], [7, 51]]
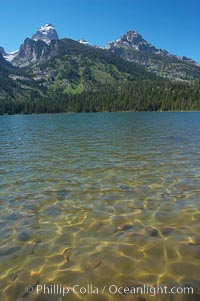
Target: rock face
[[2, 51], [32, 52], [38, 49], [46, 33], [133, 40], [1, 58], [4, 62]]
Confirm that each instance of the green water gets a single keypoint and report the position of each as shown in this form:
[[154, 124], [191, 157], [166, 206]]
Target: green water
[[99, 199]]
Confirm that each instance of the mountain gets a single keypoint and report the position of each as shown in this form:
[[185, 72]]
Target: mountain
[[40, 48], [133, 40], [45, 33], [5, 65], [2, 51], [10, 55], [133, 48], [72, 66], [33, 51], [48, 74], [59, 69], [76, 67], [16, 87]]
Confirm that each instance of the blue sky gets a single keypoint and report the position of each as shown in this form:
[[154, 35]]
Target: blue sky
[[172, 25]]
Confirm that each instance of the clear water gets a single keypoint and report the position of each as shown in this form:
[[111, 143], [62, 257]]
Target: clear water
[[99, 199]]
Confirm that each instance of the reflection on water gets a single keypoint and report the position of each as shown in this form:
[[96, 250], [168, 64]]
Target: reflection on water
[[99, 199]]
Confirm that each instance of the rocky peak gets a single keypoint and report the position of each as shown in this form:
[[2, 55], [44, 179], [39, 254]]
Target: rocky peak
[[46, 33], [132, 40], [2, 51]]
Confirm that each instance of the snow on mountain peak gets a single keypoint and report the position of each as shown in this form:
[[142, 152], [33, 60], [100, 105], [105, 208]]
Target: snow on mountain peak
[[132, 40], [46, 27], [46, 33], [83, 41]]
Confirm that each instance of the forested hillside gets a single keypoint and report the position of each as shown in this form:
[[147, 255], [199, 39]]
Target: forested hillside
[[74, 77], [129, 96]]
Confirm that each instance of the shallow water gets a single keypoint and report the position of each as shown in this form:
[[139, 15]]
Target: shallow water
[[99, 199]]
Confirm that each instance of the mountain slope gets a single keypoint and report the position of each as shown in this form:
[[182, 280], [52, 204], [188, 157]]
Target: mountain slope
[[53, 75], [17, 87], [133, 48], [76, 67], [71, 68]]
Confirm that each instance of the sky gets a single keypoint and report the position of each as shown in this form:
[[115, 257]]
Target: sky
[[171, 25]]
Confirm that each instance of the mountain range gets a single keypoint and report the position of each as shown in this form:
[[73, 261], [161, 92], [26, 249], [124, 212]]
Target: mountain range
[[46, 66], [131, 47]]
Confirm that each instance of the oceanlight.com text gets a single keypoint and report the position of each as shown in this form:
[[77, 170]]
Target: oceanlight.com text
[[112, 289]]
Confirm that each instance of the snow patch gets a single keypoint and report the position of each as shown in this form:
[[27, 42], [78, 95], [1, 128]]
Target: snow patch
[[46, 27], [11, 55], [83, 41]]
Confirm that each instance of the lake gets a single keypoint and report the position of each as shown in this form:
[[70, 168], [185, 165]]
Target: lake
[[99, 199]]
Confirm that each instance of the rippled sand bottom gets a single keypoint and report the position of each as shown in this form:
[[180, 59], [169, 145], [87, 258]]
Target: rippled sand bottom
[[99, 200], [108, 237]]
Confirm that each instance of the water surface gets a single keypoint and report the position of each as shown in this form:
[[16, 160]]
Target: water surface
[[99, 199]]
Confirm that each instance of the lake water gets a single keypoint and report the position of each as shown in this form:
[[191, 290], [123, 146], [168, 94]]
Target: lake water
[[99, 199]]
